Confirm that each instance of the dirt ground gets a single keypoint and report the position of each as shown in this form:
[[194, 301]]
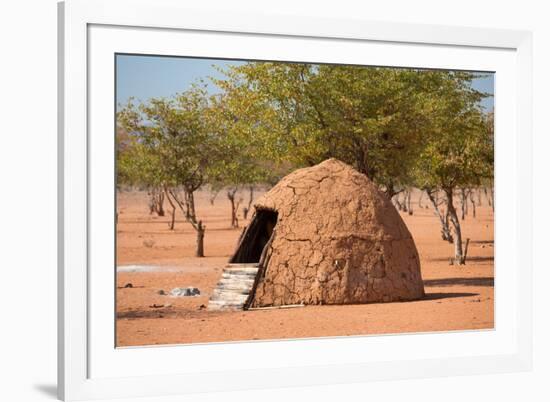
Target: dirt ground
[[457, 297]]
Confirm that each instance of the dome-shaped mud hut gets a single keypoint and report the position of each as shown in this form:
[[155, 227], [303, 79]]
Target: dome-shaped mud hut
[[323, 235]]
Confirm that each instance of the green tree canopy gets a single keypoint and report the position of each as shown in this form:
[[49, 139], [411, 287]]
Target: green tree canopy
[[375, 119]]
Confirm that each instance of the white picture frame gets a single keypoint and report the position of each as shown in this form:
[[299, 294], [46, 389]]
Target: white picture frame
[[91, 32]]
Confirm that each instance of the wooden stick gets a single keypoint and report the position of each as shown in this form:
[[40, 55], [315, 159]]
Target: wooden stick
[[277, 307], [262, 266], [465, 250]]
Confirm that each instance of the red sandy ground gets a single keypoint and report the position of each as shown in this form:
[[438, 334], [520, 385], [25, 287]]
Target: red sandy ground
[[457, 297]]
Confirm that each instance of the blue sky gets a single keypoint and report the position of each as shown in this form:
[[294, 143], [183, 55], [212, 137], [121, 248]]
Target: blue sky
[[144, 77]]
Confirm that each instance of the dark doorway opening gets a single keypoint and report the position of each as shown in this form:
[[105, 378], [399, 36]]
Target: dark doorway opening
[[255, 237]]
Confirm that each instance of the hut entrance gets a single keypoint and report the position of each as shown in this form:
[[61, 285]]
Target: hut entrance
[[255, 237], [237, 286]]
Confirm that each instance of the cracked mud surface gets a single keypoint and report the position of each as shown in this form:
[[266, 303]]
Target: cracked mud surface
[[338, 240]]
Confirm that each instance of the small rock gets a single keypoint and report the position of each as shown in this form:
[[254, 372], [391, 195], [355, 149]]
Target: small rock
[[156, 305], [161, 292], [128, 285], [202, 307], [183, 292]]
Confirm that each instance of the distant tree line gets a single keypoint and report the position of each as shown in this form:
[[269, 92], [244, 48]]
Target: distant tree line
[[402, 128]]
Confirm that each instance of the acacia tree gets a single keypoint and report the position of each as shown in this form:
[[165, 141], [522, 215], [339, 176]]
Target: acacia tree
[[242, 160], [443, 217], [459, 153], [173, 133], [137, 167], [370, 118]]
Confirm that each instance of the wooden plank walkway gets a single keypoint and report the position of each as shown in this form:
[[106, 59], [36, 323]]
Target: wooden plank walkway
[[234, 287]]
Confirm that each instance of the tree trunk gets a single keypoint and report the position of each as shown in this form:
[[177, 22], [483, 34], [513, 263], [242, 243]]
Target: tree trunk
[[152, 202], [160, 203], [447, 220], [250, 200], [389, 191], [231, 196], [473, 204], [397, 203], [445, 231], [466, 249], [172, 223], [459, 255], [489, 199], [200, 239], [463, 203], [188, 205], [173, 219], [213, 196], [409, 208]]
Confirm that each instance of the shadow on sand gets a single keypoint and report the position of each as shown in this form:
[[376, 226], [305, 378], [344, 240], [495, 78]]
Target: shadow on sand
[[437, 296], [470, 259], [483, 281], [482, 242]]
